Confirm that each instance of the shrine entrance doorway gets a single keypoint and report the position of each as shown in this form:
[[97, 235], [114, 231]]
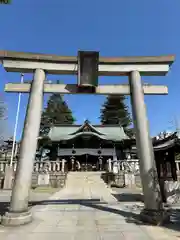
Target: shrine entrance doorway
[[90, 162], [86, 162]]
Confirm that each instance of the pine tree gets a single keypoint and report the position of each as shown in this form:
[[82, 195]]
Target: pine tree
[[56, 112], [115, 111]]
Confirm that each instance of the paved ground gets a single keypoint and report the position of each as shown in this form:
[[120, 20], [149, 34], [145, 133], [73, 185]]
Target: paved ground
[[86, 209], [34, 196]]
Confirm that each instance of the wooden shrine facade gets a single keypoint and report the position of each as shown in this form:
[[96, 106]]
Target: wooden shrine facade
[[87, 143], [166, 151]]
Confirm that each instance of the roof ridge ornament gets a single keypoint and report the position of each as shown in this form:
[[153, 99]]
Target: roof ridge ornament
[[87, 121]]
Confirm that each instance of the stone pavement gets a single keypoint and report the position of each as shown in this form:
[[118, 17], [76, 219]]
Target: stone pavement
[[85, 209], [5, 195]]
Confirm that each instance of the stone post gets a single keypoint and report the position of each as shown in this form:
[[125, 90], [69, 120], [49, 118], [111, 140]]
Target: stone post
[[151, 190], [63, 165], [177, 167], [18, 212], [109, 165]]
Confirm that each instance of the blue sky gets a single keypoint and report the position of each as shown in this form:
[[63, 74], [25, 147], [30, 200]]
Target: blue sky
[[115, 28]]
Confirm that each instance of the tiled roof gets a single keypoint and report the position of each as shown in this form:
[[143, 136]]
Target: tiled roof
[[67, 132]]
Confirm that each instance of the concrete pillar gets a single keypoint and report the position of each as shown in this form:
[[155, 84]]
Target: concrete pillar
[[18, 213], [148, 172]]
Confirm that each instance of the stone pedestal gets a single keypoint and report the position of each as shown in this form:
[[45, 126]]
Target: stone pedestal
[[8, 177], [129, 180], [43, 179], [16, 219]]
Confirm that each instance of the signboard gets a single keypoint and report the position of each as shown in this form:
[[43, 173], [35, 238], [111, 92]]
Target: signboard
[[88, 68]]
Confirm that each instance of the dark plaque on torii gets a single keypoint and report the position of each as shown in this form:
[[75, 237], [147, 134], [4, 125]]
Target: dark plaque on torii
[[88, 71]]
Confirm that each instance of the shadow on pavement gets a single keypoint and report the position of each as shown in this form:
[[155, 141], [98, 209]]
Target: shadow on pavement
[[132, 217], [129, 197], [129, 215], [5, 205]]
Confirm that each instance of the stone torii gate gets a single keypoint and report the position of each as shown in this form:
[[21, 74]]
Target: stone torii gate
[[40, 65]]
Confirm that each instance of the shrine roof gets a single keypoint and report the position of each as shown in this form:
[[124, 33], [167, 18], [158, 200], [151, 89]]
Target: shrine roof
[[68, 132], [165, 143]]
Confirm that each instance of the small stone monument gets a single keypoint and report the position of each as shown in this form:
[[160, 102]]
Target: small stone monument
[[129, 179], [43, 177], [115, 167]]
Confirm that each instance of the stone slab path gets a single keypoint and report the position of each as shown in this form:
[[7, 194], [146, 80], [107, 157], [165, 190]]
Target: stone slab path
[[85, 209]]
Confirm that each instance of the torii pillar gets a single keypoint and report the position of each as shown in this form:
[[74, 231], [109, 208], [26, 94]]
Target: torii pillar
[[18, 212], [153, 211], [133, 67]]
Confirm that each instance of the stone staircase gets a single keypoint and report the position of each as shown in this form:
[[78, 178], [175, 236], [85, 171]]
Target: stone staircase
[[86, 186]]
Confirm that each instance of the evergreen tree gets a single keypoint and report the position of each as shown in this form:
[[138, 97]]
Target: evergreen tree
[[56, 112], [115, 111]]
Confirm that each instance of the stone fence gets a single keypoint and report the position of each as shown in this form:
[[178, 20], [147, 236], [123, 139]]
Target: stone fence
[[44, 173], [129, 175], [50, 166], [131, 165], [50, 172], [56, 166]]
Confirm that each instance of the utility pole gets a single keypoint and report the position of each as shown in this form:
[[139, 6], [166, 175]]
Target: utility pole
[[16, 123]]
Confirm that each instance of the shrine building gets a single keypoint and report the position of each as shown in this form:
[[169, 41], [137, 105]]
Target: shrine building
[[87, 143]]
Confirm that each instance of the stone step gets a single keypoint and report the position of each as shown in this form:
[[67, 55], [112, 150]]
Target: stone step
[[87, 185]]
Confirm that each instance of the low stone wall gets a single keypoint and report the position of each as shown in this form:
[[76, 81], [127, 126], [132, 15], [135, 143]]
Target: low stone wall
[[171, 188], [56, 180], [120, 180], [138, 180]]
